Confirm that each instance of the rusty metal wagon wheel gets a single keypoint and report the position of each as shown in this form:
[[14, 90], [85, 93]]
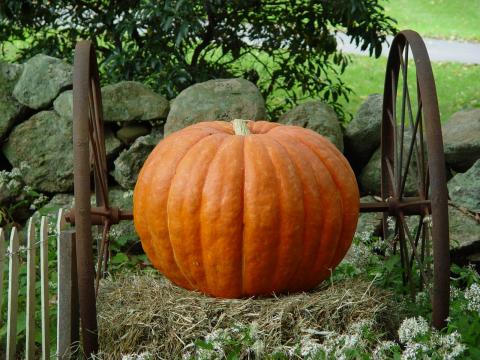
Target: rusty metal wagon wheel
[[413, 177], [89, 149], [90, 154]]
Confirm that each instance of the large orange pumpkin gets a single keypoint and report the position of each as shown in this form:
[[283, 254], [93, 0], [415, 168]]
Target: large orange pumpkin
[[260, 209]]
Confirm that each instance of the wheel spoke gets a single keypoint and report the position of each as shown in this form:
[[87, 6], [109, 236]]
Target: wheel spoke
[[410, 149], [100, 136], [417, 239], [101, 251], [98, 143], [414, 249], [421, 154], [98, 173], [404, 66], [403, 253], [390, 172]]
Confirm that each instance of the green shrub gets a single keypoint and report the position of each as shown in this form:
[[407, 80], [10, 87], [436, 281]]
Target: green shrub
[[281, 45]]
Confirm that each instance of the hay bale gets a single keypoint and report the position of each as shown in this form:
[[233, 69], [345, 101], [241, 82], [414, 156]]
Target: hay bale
[[147, 313]]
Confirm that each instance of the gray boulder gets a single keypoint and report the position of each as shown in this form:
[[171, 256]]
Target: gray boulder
[[44, 142], [369, 178], [221, 99], [316, 116], [43, 78], [461, 139], [368, 223], [130, 161], [63, 105], [464, 188], [112, 144], [10, 109], [362, 135], [464, 228], [130, 100], [123, 102]]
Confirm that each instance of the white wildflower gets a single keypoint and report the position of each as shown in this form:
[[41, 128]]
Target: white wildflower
[[455, 292], [142, 356], [38, 202], [472, 295], [421, 297], [415, 351], [362, 326], [309, 347], [449, 346], [15, 173], [14, 185], [187, 356], [27, 188], [384, 350], [216, 339], [391, 223], [411, 328], [128, 194], [350, 341], [24, 166]]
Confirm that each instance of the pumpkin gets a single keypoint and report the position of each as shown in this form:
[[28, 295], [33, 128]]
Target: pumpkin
[[243, 208]]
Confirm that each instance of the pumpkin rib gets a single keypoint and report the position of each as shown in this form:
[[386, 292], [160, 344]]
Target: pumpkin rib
[[350, 196], [322, 179], [260, 217], [346, 185], [242, 273], [162, 260], [292, 214], [184, 205], [219, 233]]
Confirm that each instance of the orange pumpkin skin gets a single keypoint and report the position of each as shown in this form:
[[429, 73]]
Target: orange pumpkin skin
[[233, 216]]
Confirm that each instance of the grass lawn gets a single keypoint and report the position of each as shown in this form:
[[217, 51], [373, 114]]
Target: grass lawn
[[446, 19], [457, 84]]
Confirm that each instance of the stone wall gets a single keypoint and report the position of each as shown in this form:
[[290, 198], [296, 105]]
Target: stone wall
[[36, 133]]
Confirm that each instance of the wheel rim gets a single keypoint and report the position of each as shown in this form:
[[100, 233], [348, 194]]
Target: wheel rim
[[415, 124], [89, 152]]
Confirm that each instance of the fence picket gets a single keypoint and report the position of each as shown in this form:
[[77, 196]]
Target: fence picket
[[12, 295], [31, 279], [61, 222], [3, 256], [44, 288], [67, 312]]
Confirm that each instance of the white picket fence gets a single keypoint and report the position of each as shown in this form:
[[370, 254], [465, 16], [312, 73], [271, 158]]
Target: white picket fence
[[67, 307]]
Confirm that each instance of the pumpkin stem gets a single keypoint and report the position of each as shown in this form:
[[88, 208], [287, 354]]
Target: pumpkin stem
[[240, 127]]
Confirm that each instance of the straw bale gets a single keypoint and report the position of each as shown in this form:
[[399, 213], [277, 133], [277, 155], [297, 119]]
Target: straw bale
[[146, 313]]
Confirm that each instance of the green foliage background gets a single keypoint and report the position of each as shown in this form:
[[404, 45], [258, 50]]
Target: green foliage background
[[172, 44]]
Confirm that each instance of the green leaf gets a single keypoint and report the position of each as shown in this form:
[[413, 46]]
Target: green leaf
[[119, 258], [203, 345]]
